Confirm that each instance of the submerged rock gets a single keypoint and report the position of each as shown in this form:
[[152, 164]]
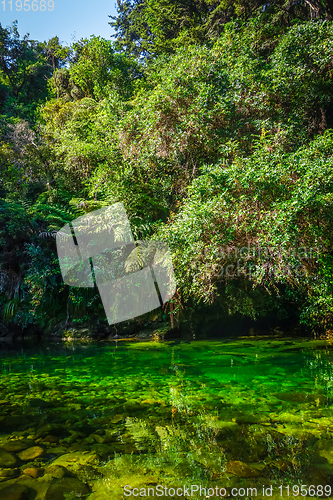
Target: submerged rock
[[74, 461], [318, 477], [301, 397], [183, 469], [56, 471], [32, 472], [40, 403], [324, 448], [58, 450], [7, 473], [132, 406], [50, 439], [15, 492], [50, 429], [18, 445], [103, 450], [6, 459], [60, 488], [97, 438], [240, 469], [116, 419], [110, 435], [31, 453]]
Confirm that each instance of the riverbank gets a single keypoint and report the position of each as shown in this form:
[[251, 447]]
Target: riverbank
[[206, 322]]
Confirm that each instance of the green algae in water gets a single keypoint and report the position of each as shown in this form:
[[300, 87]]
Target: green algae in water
[[232, 414]]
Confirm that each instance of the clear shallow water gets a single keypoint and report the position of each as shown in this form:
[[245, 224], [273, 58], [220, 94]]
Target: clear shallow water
[[88, 419]]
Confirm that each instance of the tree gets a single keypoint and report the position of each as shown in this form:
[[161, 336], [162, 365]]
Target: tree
[[24, 71], [147, 28], [58, 55], [256, 234], [95, 71]]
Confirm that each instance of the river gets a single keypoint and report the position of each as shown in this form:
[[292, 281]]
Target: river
[[239, 418]]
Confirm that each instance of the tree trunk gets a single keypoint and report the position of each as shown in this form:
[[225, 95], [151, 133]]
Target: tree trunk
[[317, 10]]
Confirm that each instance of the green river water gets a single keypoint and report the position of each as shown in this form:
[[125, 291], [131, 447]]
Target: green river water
[[164, 419]]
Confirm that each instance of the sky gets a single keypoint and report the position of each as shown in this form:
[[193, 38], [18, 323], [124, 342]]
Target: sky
[[70, 20]]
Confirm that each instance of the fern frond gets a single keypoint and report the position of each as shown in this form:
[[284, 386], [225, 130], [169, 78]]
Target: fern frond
[[9, 308]]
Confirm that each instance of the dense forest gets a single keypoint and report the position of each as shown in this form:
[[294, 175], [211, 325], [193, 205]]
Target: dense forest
[[212, 121]]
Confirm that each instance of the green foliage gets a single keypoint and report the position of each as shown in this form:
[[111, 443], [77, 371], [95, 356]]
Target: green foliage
[[269, 218], [148, 28], [24, 70], [220, 139], [204, 104], [80, 136], [31, 282], [95, 71]]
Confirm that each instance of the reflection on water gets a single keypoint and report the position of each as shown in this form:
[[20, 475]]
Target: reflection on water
[[89, 420]]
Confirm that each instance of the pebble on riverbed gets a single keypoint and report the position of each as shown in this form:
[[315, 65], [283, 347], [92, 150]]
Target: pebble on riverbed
[[33, 472], [31, 453]]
